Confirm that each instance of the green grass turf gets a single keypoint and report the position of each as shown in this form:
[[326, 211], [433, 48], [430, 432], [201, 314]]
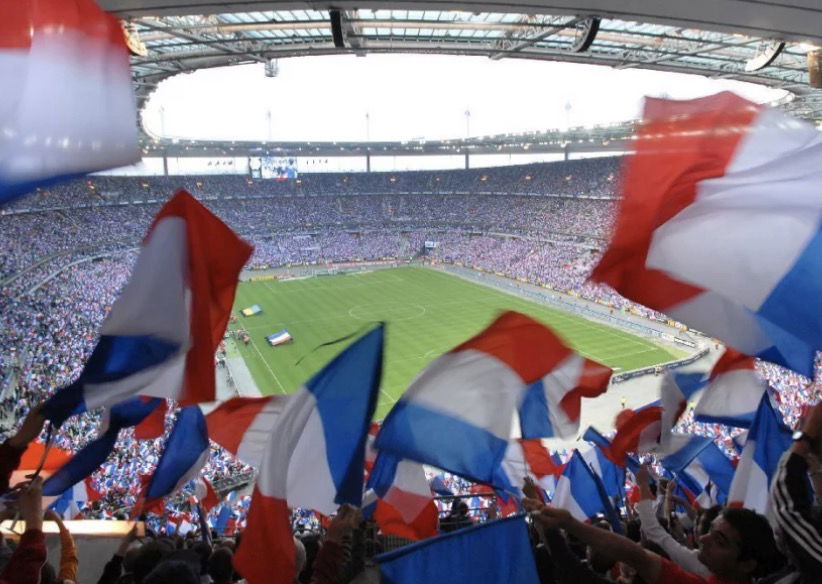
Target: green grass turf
[[427, 313]]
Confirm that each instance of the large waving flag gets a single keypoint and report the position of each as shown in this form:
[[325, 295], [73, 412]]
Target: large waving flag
[[719, 225], [123, 415], [314, 457], [67, 106], [767, 440], [497, 551], [242, 425], [162, 332], [734, 392], [457, 415]]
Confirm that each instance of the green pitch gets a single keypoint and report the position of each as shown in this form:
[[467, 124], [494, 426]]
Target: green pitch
[[427, 313]]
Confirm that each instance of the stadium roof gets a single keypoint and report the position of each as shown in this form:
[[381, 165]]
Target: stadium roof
[[723, 39]]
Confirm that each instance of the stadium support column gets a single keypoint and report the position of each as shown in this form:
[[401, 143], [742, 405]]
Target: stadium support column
[[165, 163], [467, 163], [565, 152], [368, 161]]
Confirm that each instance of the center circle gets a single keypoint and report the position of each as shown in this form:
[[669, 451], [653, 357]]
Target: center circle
[[388, 311]]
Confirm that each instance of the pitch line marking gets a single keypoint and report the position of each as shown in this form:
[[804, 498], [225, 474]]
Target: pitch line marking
[[267, 366]]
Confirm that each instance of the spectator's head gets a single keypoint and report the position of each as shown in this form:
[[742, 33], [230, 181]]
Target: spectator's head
[[148, 557], [173, 572], [219, 566], [739, 545]]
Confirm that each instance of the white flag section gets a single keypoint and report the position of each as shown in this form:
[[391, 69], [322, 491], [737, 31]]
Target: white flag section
[[67, 106]]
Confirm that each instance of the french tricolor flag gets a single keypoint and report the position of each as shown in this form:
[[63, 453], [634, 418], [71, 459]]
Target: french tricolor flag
[[457, 415], [734, 392], [709, 476], [402, 484], [580, 491], [67, 106], [314, 457], [551, 406], [243, 425], [719, 225], [162, 332], [184, 456], [767, 440], [69, 503]]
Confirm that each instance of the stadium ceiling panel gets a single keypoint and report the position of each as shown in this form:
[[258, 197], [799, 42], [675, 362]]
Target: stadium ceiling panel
[[764, 43]]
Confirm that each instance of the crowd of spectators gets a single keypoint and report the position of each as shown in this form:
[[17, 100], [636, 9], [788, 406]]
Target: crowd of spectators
[[499, 220]]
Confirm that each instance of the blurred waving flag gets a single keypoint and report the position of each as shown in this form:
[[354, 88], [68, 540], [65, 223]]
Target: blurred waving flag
[[581, 492], [734, 392], [719, 225], [242, 425], [767, 439], [162, 332], [457, 415], [123, 415], [402, 484], [67, 105], [184, 456], [497, 551], [314, 457]]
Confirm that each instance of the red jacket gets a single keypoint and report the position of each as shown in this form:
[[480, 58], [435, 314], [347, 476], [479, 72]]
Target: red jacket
[[27, 560]]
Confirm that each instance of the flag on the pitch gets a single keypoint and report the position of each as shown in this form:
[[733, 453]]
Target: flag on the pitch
[[402, 484], [581, 492], [67, 106], [497, 551], [767, 440], [719, 225], [457, 414], [185, 454], [734, 392], [123, 415], [314, 457], [242, 425], [162, 332], [551, 406]]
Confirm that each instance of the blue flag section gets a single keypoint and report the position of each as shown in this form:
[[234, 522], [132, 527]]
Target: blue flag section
[[499, 551]]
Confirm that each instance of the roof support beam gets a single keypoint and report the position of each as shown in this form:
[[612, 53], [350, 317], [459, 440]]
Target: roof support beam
[[527, 41]]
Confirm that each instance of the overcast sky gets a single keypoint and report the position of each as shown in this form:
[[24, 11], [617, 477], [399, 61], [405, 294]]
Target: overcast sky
[[410, 96]]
